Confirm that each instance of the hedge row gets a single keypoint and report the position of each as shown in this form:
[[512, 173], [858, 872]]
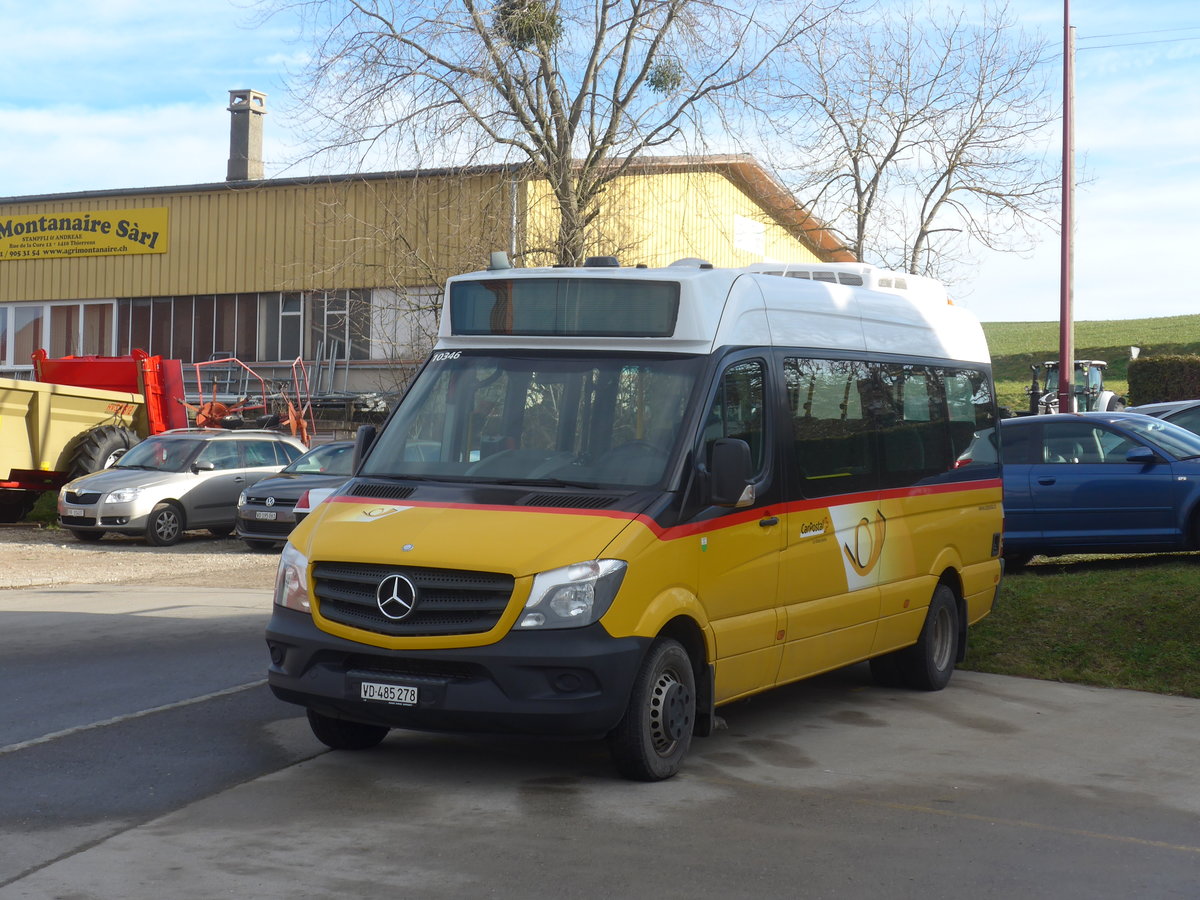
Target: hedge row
[[1155, 379]]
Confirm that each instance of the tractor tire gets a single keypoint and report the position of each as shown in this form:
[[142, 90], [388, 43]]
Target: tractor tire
[[15, 505], [97, 448]]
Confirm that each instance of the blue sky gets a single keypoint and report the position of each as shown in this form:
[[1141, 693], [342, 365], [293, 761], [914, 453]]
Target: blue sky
[[131, 93]]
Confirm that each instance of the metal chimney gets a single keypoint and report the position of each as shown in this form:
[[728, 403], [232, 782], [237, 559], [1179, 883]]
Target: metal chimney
[[246, 109]]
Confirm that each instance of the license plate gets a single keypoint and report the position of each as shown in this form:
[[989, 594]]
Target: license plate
[[73, 513], [399, 694], [269, 516]]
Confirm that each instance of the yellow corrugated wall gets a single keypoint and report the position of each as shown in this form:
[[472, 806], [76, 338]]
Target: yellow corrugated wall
[[657, 219], [369, 232]]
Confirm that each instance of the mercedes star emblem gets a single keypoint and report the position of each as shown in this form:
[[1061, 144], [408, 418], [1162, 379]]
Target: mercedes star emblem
[[396, 596]]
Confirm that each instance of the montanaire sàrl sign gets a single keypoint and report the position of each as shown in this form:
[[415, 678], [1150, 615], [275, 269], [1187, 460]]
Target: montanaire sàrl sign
[[108, 232]]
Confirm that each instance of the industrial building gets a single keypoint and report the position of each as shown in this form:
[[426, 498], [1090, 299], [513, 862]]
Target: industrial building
[[341, 271]]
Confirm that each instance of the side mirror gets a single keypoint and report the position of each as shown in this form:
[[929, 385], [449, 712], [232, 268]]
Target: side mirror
[[198, 467], [363, 439], [1143, 455], [730, 470]]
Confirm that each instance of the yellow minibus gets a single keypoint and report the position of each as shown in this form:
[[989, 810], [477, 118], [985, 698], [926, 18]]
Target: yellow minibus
[[614, 499]]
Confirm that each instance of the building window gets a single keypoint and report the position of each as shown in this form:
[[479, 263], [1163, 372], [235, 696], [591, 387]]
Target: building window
[[268, 327]]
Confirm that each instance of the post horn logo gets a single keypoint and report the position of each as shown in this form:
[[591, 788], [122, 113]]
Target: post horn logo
[[868, 544]]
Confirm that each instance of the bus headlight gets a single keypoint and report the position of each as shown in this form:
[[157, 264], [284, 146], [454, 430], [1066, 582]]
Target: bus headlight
[[572, 596], [291, 581]]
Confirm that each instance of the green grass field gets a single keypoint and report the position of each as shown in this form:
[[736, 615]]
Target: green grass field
[[1015, 346], [1110, 621]]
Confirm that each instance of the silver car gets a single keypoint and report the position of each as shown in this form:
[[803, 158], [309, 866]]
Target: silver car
[[174, 481]]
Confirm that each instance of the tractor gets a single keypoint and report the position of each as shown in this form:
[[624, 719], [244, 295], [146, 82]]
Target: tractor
[[1090, 393]]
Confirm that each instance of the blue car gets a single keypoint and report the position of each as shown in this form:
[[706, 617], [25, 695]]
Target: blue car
[[1110, 482]]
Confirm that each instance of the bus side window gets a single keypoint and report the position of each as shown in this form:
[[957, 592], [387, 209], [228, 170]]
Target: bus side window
[[737, 410], [832, 444]]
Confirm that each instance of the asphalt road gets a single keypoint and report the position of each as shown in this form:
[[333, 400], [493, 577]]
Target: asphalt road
[[141, 756]]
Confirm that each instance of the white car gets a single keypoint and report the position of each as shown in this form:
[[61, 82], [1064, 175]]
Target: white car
[[174, 481]]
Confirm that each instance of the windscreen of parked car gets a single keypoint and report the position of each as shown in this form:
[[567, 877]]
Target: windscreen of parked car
[[586, 420], [1178, 441], [160, 454]]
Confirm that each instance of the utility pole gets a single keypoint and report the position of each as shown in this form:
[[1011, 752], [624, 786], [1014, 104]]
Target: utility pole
[[1066, 325]]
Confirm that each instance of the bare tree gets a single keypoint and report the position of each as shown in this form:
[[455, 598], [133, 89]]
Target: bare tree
[[925, 131], [574, 89]]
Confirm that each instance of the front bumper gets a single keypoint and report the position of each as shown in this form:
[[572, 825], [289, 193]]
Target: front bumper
[[570, 682], [253, 527], [122, 518]]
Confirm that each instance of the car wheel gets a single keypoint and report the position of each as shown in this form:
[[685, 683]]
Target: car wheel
[[164, 527], [259, 546], [88, 537], [929, 663], [654, 735], [340, 734]]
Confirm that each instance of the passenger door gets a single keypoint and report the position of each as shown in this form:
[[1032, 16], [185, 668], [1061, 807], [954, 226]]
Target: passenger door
[[829, 595], [739, 548], [1086, 493], [213, 498]]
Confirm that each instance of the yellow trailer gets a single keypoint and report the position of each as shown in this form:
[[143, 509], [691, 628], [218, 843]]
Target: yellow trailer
[[50, 433]]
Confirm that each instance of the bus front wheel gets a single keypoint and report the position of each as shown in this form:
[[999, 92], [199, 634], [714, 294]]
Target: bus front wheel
[[340, 734], [653, 737]]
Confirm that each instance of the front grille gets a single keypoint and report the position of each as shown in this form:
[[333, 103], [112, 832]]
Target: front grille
[[261, 500], [84, 499], [78, 521], [449, 601], [263, 527]]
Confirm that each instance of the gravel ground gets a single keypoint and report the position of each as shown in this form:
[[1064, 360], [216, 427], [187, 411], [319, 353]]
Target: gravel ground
[[33, 556]]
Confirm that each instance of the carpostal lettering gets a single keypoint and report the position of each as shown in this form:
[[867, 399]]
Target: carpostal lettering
[[125, 229]]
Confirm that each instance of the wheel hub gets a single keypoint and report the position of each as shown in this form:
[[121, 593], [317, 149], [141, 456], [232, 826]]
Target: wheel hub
[[670, 716]]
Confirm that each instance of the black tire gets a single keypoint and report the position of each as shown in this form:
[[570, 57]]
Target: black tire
[[340, 734], [885, 671], [223, 531], [97, 448], [165, 525], [928, 664], [88, 537], [15, 505], [1015, 562], [652, 739], [260, 546]]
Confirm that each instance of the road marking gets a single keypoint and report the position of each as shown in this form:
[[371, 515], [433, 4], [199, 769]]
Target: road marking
[[117, 720]]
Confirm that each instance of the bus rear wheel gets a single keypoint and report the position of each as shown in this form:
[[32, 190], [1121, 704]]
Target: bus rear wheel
[[928, 664], [653, 737]]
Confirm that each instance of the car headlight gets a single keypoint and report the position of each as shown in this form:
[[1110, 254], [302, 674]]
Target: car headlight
[[241, 500], [572, 596], [291, 581], [124, 495]]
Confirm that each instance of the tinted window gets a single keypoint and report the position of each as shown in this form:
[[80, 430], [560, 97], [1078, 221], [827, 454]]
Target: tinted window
[[737, 410], [833, 449], [259, 453], [222, 454]]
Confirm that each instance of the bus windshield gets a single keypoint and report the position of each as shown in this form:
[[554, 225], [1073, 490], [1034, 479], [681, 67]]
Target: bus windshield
[[584, 420]]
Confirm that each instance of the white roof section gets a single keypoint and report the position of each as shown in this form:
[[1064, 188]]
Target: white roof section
[[771, 306]]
